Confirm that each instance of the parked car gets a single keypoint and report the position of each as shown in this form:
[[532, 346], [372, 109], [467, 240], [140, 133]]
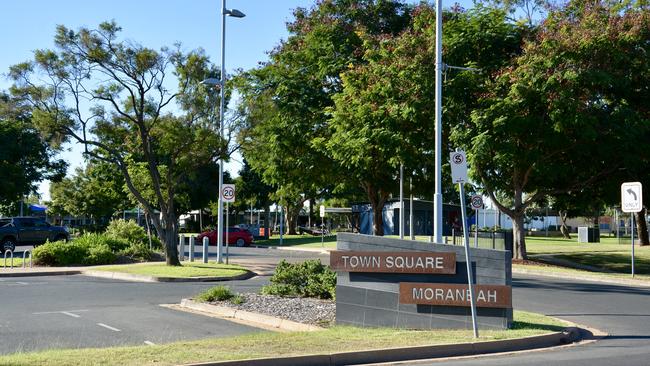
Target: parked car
[[29, 231], [236, 236]]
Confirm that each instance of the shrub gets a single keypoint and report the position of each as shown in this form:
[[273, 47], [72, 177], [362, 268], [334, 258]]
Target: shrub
[[237, 299], [307, 279], [129, 231], [88, 249], [60, 253], [137, 251], [94, 239], [99, 254], [218, 293]]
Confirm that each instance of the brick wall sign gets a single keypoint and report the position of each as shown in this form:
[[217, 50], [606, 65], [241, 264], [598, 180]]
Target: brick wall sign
[[388, 282], [393, 262], [487, 296]]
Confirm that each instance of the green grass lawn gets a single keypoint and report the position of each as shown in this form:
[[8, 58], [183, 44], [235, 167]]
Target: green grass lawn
[[608, 254], [267, 344], [188, 269], [18, 262]]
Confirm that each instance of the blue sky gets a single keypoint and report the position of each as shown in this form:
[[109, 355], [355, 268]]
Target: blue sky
[[28, 25]]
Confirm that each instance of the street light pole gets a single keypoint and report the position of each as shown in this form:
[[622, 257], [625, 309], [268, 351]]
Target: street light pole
[[437, 198], [237, 14]]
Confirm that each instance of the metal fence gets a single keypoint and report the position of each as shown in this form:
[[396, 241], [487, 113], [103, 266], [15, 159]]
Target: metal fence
[[501, 240]]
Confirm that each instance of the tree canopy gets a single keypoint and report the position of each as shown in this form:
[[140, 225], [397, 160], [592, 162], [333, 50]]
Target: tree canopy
[[118, 99], [26, 157]]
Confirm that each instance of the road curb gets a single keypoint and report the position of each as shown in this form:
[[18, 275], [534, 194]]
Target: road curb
[[569, 335], [145, 278], [572, 276], [38, 273], [255, 319]]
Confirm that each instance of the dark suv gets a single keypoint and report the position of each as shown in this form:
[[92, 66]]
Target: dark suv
[[28, 231]]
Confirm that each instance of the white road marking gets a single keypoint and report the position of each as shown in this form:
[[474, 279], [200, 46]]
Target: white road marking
[[108, 327], [61, 312], [71, 314], [149, 343], [23, 283]]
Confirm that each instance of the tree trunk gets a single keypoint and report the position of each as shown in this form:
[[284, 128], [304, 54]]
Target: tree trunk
[[563, 228], [171, 240], [377, 198], [169, 236], [642, 227], [519, 236], [291, 219]]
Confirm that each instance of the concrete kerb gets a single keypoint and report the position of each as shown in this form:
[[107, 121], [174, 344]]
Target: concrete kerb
[[575, 276], [569, 335], [254, 319], [147, 278]]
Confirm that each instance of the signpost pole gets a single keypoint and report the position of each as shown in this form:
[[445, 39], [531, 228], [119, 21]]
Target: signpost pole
[[632, 202], [476, 231], [411, 231], [322, 226], [632, 226], [401, 201], [227, 234], [468, 259]]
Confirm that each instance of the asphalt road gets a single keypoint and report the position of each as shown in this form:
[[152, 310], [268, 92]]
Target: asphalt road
[[622, 312], [78, 311]]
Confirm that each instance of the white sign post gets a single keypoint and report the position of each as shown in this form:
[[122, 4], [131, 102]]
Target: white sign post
[[477, 203], [458, 167], [632, 202], [459, 175], [322, 226], [228, 196]]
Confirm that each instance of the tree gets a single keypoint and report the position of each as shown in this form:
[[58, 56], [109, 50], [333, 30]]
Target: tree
[[286, 99], [384, 115], [129, 121], [96, 191], [567, 113], [26, 158], [252, 190]]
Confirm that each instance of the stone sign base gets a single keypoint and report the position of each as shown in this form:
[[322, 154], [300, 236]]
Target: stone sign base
[[373, 299]]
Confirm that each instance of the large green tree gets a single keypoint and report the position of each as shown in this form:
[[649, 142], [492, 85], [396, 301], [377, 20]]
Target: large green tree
[[286, 100], [26, 157], [568, 113], [116, 98], [96, 192], [383, 118]]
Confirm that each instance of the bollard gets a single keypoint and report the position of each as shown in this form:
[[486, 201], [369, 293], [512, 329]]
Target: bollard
[[12, 258], [30, 258], [206, 241], [181, 248], [191, 249]]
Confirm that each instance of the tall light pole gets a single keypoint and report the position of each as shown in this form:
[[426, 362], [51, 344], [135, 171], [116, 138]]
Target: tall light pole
[[437, 198], [222, 83]]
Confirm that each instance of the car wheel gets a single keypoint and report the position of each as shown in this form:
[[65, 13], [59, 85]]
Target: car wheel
[[61, 238], [240, 242], [8, 244]]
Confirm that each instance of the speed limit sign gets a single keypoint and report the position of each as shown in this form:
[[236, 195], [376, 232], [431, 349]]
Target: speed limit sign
[[228, 193], [476, 202]]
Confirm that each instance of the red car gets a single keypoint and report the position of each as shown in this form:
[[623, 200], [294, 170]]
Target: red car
[[236, 236]]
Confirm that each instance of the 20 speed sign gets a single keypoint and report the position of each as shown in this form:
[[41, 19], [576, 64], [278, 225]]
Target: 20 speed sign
[[228, 193], [477, 202]]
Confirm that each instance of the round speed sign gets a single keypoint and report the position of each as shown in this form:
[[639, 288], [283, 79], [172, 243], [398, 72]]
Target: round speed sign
[[476, 202], [228, 193]]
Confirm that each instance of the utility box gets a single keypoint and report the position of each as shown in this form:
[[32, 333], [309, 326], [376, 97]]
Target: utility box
[[588, 235]]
